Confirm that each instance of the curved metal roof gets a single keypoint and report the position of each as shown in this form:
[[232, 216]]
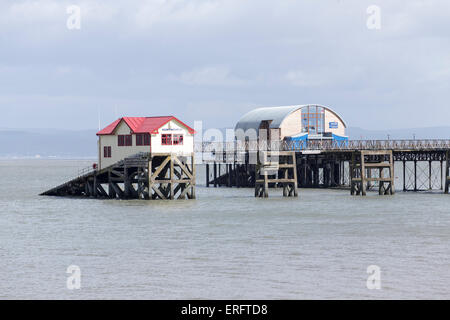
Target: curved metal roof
[[253, 118]]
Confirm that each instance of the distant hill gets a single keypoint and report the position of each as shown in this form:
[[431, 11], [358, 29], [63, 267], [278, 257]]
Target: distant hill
[[48, 143], [355, 133], [59, 143]]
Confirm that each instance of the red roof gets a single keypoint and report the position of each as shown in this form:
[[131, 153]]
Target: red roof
[[143, 124]]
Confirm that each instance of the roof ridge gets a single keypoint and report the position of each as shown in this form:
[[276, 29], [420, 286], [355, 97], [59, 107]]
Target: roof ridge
[[143, 124]]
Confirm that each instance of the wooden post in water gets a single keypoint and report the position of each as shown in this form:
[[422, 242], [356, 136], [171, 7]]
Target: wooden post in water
[[172, 179], [391, 173], [430, 186], [95, 184], [404, 175], [447, 174], [352, 174], [363, 174], [381, 189], [415, 175], [215, 174], [207, 175]]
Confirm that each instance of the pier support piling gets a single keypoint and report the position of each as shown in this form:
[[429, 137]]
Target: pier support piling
[[361, 166], [267, 169], [447, 172]]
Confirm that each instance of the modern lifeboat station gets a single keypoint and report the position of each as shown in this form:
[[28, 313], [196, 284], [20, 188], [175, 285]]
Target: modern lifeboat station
[[284, 147]]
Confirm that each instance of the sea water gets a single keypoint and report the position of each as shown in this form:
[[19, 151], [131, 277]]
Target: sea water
[[226, 244]]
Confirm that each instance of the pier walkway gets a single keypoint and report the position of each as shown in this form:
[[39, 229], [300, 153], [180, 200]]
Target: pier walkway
[[361, 165]]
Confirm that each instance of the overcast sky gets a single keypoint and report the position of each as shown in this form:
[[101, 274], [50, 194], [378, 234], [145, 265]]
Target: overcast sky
[[215, 60]]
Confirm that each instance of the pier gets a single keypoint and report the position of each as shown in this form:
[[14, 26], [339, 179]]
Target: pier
[[360, 165], [144, 176]]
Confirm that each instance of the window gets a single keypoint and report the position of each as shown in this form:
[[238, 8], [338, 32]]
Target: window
[[166, 139], [128, 140], [107, 152], [125, 140], [177, 139], [143, 139], [147, 139], [313, 119]]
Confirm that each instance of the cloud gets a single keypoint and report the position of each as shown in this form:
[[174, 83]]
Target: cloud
[[158, 55], [303, 79], [209, 76], [170, 11]]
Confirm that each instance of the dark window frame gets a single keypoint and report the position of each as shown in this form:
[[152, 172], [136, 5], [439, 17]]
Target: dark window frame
[[128, 140], [143, 139], [125, 140], [166, 139], [177, 139], [107, 152], [121, 140]]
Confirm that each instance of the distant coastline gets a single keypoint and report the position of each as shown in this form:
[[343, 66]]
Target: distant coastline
[[37, 158]]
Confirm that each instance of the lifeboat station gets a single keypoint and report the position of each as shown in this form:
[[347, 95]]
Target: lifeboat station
[[283, 147], [296, 125]]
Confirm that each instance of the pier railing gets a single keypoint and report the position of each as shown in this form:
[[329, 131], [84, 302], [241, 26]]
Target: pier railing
[[324, 145], [85, 171], [137, 158]]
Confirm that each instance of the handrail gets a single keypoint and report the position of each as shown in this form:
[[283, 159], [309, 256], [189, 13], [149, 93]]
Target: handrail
[[324, 145], [90, 170], [85, 171]]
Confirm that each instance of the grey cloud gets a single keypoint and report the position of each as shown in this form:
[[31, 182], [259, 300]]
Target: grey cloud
[[223, 57]]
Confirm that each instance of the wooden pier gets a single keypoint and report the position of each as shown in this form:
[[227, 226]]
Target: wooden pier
[[361, 171], [142, 176], [359, 165], [276, 168]]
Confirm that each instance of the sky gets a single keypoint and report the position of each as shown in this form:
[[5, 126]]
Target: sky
[[214, 60]]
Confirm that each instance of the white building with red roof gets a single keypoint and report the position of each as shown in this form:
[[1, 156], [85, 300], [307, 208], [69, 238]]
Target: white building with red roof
[[128, 136]]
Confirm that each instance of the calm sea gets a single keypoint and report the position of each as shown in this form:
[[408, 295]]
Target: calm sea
[[226, 244]]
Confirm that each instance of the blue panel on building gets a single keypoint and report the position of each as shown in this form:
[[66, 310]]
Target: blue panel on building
[[333, 125], [340, 141]]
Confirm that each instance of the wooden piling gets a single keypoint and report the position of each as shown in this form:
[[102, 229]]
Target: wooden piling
[[215, 174], [265, 169], [207, 175], [372, 159], [447, 174]]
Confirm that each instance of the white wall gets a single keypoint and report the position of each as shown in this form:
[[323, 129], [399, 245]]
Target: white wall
[[331, 117], [173, 127], [292, 124]]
